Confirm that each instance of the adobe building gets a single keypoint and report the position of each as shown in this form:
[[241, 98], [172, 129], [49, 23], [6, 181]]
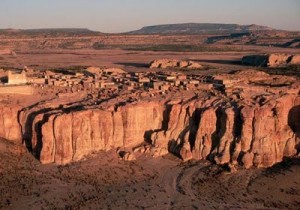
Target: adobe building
[[17, 78]]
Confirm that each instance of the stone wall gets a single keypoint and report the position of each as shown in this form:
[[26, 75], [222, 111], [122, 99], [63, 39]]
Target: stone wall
[[16, 78]]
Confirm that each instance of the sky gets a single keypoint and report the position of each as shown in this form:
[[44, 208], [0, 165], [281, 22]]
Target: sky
[[114, 16]]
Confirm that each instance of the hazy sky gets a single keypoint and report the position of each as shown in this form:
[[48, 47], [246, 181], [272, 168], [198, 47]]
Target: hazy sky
[[126, 15]]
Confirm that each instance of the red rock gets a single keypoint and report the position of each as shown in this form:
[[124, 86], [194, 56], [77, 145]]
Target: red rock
[[185, 152], [9, 126], [205, 134], [295, 60], [271, 60], [172, 63]]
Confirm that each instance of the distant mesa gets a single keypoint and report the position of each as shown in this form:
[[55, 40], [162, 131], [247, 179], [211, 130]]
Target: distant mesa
[[271, 60], [199, 28], [181, 28], [176, 29], [172, 63], [49, 32]]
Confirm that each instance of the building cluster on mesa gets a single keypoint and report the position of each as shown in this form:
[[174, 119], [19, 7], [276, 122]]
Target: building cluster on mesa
[[114, 79]]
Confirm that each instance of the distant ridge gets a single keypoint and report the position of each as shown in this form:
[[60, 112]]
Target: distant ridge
[[199, 28], [49, 31]]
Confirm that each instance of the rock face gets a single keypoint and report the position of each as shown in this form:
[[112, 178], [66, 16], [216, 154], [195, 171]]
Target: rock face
[[9, 126], [295, 60], [69, 137], [271, 60], [126, 156], [257, 136], [171, 63]]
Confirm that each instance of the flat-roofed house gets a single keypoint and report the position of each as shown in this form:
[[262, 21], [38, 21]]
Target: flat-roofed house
[[17, 78]]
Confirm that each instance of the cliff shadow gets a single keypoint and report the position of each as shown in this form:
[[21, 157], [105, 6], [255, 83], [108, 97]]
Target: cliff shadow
[[219, 133], [166, 117], [294, 122], [225, 62], [136, 65], [147, 136], [27, 130], [39, 135], [164, 125], [28, 126], [194, 122], [4, 79], [237, 133], [174, 146]]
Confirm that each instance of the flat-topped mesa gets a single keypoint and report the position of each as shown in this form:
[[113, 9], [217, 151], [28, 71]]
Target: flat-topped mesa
[[172, 63], [254, 122], [271, 60]]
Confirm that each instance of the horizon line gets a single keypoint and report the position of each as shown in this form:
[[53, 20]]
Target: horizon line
[[152, 25]]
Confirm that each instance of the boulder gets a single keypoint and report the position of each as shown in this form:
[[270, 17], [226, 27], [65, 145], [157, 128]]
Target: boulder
[[126, 156], [171, 63], [185, 152], [295, 60]]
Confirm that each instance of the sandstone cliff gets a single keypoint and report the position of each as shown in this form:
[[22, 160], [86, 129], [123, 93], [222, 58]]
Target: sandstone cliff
[[250, 135], [71, 136], [248, 125], [9, 126]]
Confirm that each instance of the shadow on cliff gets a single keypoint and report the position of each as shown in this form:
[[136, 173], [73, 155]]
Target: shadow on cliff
[[219, 133], [224, 62], [31, 125], [221, 129], [294, 122], [27, 131], [164, 126], [136, 65]]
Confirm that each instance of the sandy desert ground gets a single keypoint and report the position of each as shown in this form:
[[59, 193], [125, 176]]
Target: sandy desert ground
[[132, 60], [102, 181]]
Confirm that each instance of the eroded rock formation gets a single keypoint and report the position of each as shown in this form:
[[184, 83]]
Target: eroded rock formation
[[60, 137], [172, 63], [250, 135], [271, 60], [9, 126]]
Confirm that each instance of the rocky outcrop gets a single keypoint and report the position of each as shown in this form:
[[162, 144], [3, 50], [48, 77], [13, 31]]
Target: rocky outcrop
[[71, 136], [126, 156], [271, 60], [9, 126], [171, 63], [295, 60], [256, 135]]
